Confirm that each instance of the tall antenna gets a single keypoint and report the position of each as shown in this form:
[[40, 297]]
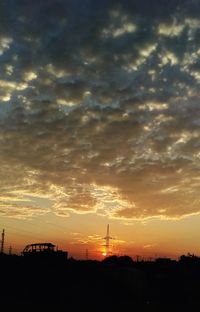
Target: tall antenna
[[107, 240], [2, 241]]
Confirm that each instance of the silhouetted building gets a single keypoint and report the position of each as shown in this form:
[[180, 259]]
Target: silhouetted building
[[46, 250]]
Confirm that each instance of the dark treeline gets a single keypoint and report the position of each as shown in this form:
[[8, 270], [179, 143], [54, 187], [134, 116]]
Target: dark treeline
[[116, 283]]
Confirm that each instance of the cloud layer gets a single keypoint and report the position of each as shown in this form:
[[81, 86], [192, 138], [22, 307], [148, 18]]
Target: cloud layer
[[99, 107]]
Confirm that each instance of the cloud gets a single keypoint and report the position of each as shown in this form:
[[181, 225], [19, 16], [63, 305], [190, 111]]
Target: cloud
[[99, 108]]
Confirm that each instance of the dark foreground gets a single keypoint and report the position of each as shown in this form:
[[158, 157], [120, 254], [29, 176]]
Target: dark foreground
[[113, 285]]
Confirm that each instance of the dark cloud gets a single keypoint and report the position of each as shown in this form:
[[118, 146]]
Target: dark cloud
[[99, 107]]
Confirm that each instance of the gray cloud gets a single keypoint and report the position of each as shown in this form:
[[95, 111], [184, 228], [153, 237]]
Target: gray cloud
[[99, 108]]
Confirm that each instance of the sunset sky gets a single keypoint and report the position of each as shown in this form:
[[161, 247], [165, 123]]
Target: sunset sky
[[100, 123]]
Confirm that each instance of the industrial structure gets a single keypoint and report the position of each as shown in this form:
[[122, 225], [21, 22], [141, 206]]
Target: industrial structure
[[44, 250], [107, 242]]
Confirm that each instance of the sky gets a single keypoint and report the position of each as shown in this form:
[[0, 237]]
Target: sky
[[100, 123]]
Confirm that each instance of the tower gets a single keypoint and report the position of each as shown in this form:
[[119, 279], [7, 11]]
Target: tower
[[2, 241], [107, 242]]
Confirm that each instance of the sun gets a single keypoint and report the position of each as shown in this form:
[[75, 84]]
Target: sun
[[104, 254]]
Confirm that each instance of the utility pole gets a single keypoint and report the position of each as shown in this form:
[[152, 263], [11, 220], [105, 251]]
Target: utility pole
[[2, 241]]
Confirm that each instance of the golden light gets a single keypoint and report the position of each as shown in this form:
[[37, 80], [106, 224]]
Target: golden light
[[104, 254]]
